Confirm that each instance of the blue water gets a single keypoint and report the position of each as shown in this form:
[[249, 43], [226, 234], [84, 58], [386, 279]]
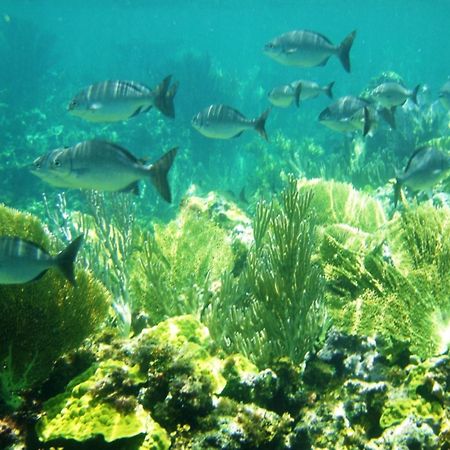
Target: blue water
[[50, 50]]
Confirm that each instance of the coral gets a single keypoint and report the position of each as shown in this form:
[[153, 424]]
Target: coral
[[372, 401], [335, 202], [393, 281], [176, 269], [273, 308], [83, 410], [39, 321]]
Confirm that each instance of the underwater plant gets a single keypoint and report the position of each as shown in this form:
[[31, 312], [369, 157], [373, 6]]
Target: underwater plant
[[39, 321], [176, 268], [393, 282], [274, 308]]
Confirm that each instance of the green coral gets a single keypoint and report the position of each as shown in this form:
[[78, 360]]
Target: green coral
[[273, 308], [179, 265], [81, 414], [335, 202], [393, 282], [420, 397], [41, 320]]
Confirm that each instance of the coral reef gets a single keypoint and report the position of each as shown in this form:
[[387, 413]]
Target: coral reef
[[274, 307], [170, 389], [39, 321], [178, 267]]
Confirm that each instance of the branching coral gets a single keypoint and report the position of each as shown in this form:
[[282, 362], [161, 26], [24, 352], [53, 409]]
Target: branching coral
[[395, 281], [41, 320], [274, 308], [176, 268]]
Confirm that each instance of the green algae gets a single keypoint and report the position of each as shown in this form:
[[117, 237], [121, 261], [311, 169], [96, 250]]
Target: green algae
[[40, 321]]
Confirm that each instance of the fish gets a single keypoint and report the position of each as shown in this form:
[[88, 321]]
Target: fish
[[349, 114], [426, 167], [115, 100], [392, 94], [103, 166], [283, 96], [444, 95], [308, 49], [225, 122], [22, 261]]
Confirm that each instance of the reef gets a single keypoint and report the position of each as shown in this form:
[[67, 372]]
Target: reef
[[168, 387], [42, 320]]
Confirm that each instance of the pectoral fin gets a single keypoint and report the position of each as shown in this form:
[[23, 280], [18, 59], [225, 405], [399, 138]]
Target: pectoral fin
[[132, 188]]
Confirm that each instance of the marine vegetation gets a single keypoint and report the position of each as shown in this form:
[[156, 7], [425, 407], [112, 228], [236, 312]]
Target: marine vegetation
[[384, 277], [168, 388], [274, 308], [40, 321], [177, 266]]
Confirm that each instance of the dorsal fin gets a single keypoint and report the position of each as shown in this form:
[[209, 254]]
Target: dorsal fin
[[415, 153]]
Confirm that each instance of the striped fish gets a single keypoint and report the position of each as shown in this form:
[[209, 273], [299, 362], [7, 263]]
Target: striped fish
[[283, 96], [348, 114], [22, 261], [112, 101], [103, 166], [224, 122], [308, 49]]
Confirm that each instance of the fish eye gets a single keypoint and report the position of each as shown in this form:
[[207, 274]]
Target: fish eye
[[37, 164], [57, 163]]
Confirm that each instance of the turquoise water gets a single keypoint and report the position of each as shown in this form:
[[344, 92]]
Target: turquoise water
[[51, 50], [298, 285]]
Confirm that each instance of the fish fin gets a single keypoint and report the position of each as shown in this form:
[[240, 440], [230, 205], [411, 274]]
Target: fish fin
[[414, 94], [329, 89], [290, 50], [388, 116], [237, 135], [323, 63], [344, 50], [132, 188], [65, 260], [260, 123], [397, 191], [242, 196], [298, 91], [367, 121], [414, 154], [138, 111], [39, 276], [159, 171], [164, 97]]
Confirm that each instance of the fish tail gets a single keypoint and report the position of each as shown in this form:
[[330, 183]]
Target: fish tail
[[66, 259], [367, 121], [344, 50], [164, 95], [328, 89], [159, 171], [298, 91], [414, 94], [260, 124]]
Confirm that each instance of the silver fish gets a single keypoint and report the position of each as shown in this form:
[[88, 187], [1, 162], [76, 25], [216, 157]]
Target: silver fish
[[308, 49], [392, 94], [426, 167], [224, 122], [348, 114], [112, 101], [444, 95], [283, 96], [103, 166], [22, 261]]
